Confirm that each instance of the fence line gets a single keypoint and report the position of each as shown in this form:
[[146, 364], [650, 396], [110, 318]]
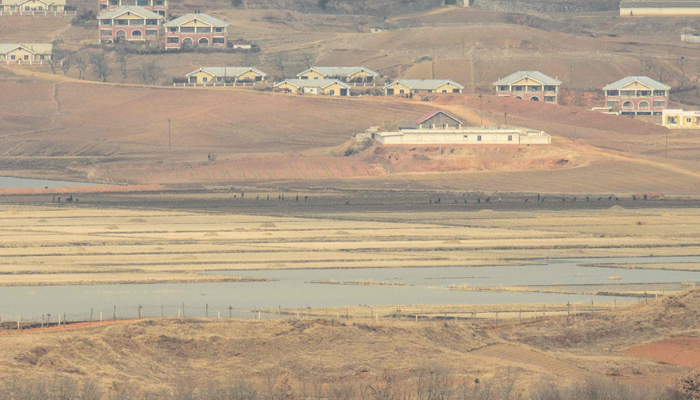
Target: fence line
[[39, 13], [485, 316], [216, 84]]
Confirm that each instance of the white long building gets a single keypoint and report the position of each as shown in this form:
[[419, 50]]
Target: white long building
[[438, 127]]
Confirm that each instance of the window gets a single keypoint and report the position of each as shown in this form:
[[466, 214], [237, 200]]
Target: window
[[42, 57], [187, 41], [218, 40], [105, 33], [142, 3], [659, 104], [332, 92], [114, 2], [549, 99], [644, 105], [218, 79], [628, 93], [136, 34], [173, 40], [172, 29], [401, 91], [105, 22], [659, 93], [26, 57], [429, 91], [688, 120], [41, 8], [12, 57], [502, 89], [103, 6], [518, 88], [671, 120], [151, 22], [550, 88], [644, 93], [478, 138], [159, 2], [218, 30], [612, 103], [26, 8], [510, 138], [613, 93], [186, 29], [122, 22], [151, 33], [205, 29], [136, 22], [161, 13], [203, 42], [414, 91], [204, 79]]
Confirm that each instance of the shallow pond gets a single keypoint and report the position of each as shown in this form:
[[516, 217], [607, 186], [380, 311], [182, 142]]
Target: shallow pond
[[293, 289]]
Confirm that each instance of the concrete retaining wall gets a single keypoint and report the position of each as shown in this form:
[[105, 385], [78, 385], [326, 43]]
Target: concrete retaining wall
[[544, 6]]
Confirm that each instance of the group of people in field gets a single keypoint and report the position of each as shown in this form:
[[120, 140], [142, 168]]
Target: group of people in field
[[69, 199]]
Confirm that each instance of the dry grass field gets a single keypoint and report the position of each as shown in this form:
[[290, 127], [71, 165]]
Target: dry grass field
[[159, 354], [67, 244]]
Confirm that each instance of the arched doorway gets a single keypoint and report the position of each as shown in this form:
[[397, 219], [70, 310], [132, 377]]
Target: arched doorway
[[187, 42], [120, 36]]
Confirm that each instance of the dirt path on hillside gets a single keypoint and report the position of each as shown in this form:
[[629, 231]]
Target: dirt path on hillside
[[425, 14]]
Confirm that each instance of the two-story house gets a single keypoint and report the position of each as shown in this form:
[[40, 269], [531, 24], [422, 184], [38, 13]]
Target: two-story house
[[343, 74], [25, 53], [159, 7], [129, 24], [195, 30], [529, 85], [408, 86], [637, 95]]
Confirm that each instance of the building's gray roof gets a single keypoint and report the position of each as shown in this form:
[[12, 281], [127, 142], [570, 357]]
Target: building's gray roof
[[227, 71], [644, 80], [425, 84], [49, 2], [38, 48], [534, 75], [313, 82], [207, 19], [119, 11], [339, 71], [407, 124], [660, 4]]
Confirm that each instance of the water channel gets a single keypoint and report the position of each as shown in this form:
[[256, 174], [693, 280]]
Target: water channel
[[23, 183], [294, 289]]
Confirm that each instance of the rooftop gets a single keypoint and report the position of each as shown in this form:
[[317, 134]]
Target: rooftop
[[339, 71], [644, 80], [40, 48], [313, 82], [426, 84], [534, 75], [119, 11], [207, 19], [228, 71]]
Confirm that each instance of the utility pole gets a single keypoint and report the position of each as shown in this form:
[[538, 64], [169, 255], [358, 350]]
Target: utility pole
[[481, 100], [667, 144], [505, 114], [168, 134]]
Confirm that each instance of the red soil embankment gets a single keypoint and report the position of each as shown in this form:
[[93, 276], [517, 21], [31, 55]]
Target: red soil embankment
[[681, 350]]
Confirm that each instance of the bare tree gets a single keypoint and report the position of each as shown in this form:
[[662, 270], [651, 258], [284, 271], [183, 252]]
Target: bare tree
[[56, 60], [150, 73], [280, 62], [308, 59], [660, 71], [681, 63], [123, 56], [100, 66], [81, 64], [67, 63], [647, 65]]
